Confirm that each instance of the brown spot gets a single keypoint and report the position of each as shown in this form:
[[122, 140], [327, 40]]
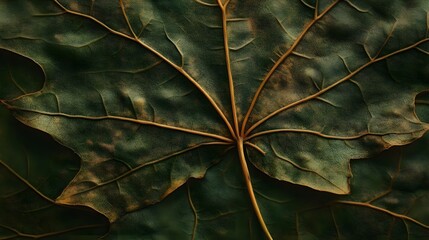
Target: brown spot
[[132, 207], [175, 184], [139, 106], [74, 6], [118, 134], [59, 37], [282, 78], [108, 147], [92, 158]]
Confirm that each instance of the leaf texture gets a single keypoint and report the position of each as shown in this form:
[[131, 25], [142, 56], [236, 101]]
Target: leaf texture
[[153, 94], [387, 201], [31, 176]]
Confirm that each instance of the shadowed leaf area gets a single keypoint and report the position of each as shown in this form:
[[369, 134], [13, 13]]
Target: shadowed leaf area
[[214, 119], [34, 169]]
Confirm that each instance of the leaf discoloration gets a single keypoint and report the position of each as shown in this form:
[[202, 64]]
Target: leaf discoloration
[[156, 93]]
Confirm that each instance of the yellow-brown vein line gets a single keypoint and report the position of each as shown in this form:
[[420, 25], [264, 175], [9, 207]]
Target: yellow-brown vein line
[[194, 211], [152, 162], [280, 61], [248, 181], [44, 235], [175, 66], [27, 183], [121, 3], [228, 66], [344, 79], [300, 168], [131, 120], [397, 215], [312, 132]]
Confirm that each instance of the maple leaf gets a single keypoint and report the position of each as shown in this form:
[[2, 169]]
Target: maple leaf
[[152, 93]]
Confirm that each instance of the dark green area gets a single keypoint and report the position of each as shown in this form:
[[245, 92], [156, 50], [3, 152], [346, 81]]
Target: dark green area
[[114, 119]]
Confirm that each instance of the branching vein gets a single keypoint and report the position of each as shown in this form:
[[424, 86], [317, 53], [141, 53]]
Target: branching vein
[[27, 183], [175, 66], [312, 132], [228, 65], [300, 168], [397, 215], [280, 61], [150, 163], [344, 79], [131, 120], [194, 211], [51, 234]]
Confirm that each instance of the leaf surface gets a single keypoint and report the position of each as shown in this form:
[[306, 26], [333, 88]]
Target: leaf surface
[[152, 93], [31, 176], [388, 200]]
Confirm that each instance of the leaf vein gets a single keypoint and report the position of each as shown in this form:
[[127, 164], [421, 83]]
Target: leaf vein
[[131, 120], [333, 85], [178, 68], [279, 61]]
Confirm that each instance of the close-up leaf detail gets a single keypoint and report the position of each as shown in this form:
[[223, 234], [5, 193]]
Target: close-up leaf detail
[[214, 119], [31, 177]]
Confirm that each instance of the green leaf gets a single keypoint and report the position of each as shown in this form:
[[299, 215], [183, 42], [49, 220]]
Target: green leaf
[[388, 201], [153, 93]]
